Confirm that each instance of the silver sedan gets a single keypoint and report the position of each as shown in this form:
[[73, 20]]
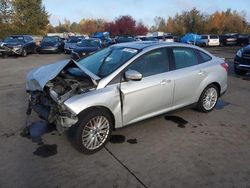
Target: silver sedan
[[124, 84]]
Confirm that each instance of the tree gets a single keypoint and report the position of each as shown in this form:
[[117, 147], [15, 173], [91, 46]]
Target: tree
[[30, 17], [141, 29], [5, 17], [125, 25]]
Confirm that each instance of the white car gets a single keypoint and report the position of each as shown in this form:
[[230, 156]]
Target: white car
[[208, 40]]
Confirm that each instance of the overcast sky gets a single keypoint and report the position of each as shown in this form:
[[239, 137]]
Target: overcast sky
[[144, 10]]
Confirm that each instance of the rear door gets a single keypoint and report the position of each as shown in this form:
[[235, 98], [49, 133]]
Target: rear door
[[151, 95], [188, 75]]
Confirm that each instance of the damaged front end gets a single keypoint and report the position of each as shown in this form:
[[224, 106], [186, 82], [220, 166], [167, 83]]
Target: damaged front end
[[47, 98]]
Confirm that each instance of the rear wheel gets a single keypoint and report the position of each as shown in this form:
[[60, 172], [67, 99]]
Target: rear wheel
[[239, 72], [93, 131], [208, 99]]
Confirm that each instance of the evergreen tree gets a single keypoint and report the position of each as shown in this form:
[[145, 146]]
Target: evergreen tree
[[30, 17]]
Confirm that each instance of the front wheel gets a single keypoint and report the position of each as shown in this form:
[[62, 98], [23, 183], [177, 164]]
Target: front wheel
[[93, 131], [208, 99], [24, 52]]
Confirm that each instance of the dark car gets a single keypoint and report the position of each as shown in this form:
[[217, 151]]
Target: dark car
[[122, 39], [86, 47], [242, 61], [243, 39], [51, 44], [71, 43], [229, 39], [235, 39], [17, 45]]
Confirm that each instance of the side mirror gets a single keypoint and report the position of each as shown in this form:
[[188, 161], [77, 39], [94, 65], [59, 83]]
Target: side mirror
[[133, 75]]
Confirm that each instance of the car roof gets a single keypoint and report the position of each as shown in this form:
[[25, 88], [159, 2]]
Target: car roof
[[18, 35], [140, 45]]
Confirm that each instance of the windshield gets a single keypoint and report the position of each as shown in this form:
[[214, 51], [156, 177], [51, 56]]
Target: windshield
[[106, 61], [14, 39], [89, 43], [74, 39], [50, 39]]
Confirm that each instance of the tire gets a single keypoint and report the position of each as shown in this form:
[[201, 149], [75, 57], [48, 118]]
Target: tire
[[24, 52], [88, 121], [211, 99], [239, 72]]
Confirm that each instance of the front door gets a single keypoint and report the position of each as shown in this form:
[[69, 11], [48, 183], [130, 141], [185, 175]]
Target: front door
[[153, 94]]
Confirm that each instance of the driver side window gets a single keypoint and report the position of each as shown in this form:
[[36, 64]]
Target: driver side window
[[152, 63]]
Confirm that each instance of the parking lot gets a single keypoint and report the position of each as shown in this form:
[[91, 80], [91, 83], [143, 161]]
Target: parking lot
[[182, 149]]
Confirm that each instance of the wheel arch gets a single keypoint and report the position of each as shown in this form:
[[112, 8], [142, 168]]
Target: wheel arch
[[217, 85], [104, 108]]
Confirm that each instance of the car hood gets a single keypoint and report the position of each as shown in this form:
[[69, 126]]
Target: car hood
[[69, 45], [12, 44], [246, 49], [48, 44], [38, 78], [85, 49]]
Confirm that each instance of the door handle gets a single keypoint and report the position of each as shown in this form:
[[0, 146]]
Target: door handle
[[201, 72], [164, 82]]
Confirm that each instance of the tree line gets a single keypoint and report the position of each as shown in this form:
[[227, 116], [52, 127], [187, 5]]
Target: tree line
[[123, 25], [197, 22], [31, 17]]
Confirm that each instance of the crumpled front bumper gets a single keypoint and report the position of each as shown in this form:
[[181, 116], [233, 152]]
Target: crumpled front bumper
[[51, 112]]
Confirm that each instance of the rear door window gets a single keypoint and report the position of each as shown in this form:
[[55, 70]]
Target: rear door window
[[204, 37], [214, 37], [203, 57], [184, 57]]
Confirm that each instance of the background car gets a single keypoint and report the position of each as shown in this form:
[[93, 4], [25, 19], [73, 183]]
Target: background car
[[123, 84], [71, 43], [208, 40], [51, 44], [124, 38], [86, 47], [243, 39], [242, 61], [228, 39], [18, 45], [168, 38]]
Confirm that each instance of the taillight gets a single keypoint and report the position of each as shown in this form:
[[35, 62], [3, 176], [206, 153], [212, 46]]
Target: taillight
[[225, 66]]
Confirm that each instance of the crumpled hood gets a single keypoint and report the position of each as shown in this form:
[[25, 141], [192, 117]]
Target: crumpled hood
[[37, 78], [12, 44]]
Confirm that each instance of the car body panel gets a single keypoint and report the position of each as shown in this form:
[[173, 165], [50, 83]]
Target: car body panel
[[152, 93], [132, 101]]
